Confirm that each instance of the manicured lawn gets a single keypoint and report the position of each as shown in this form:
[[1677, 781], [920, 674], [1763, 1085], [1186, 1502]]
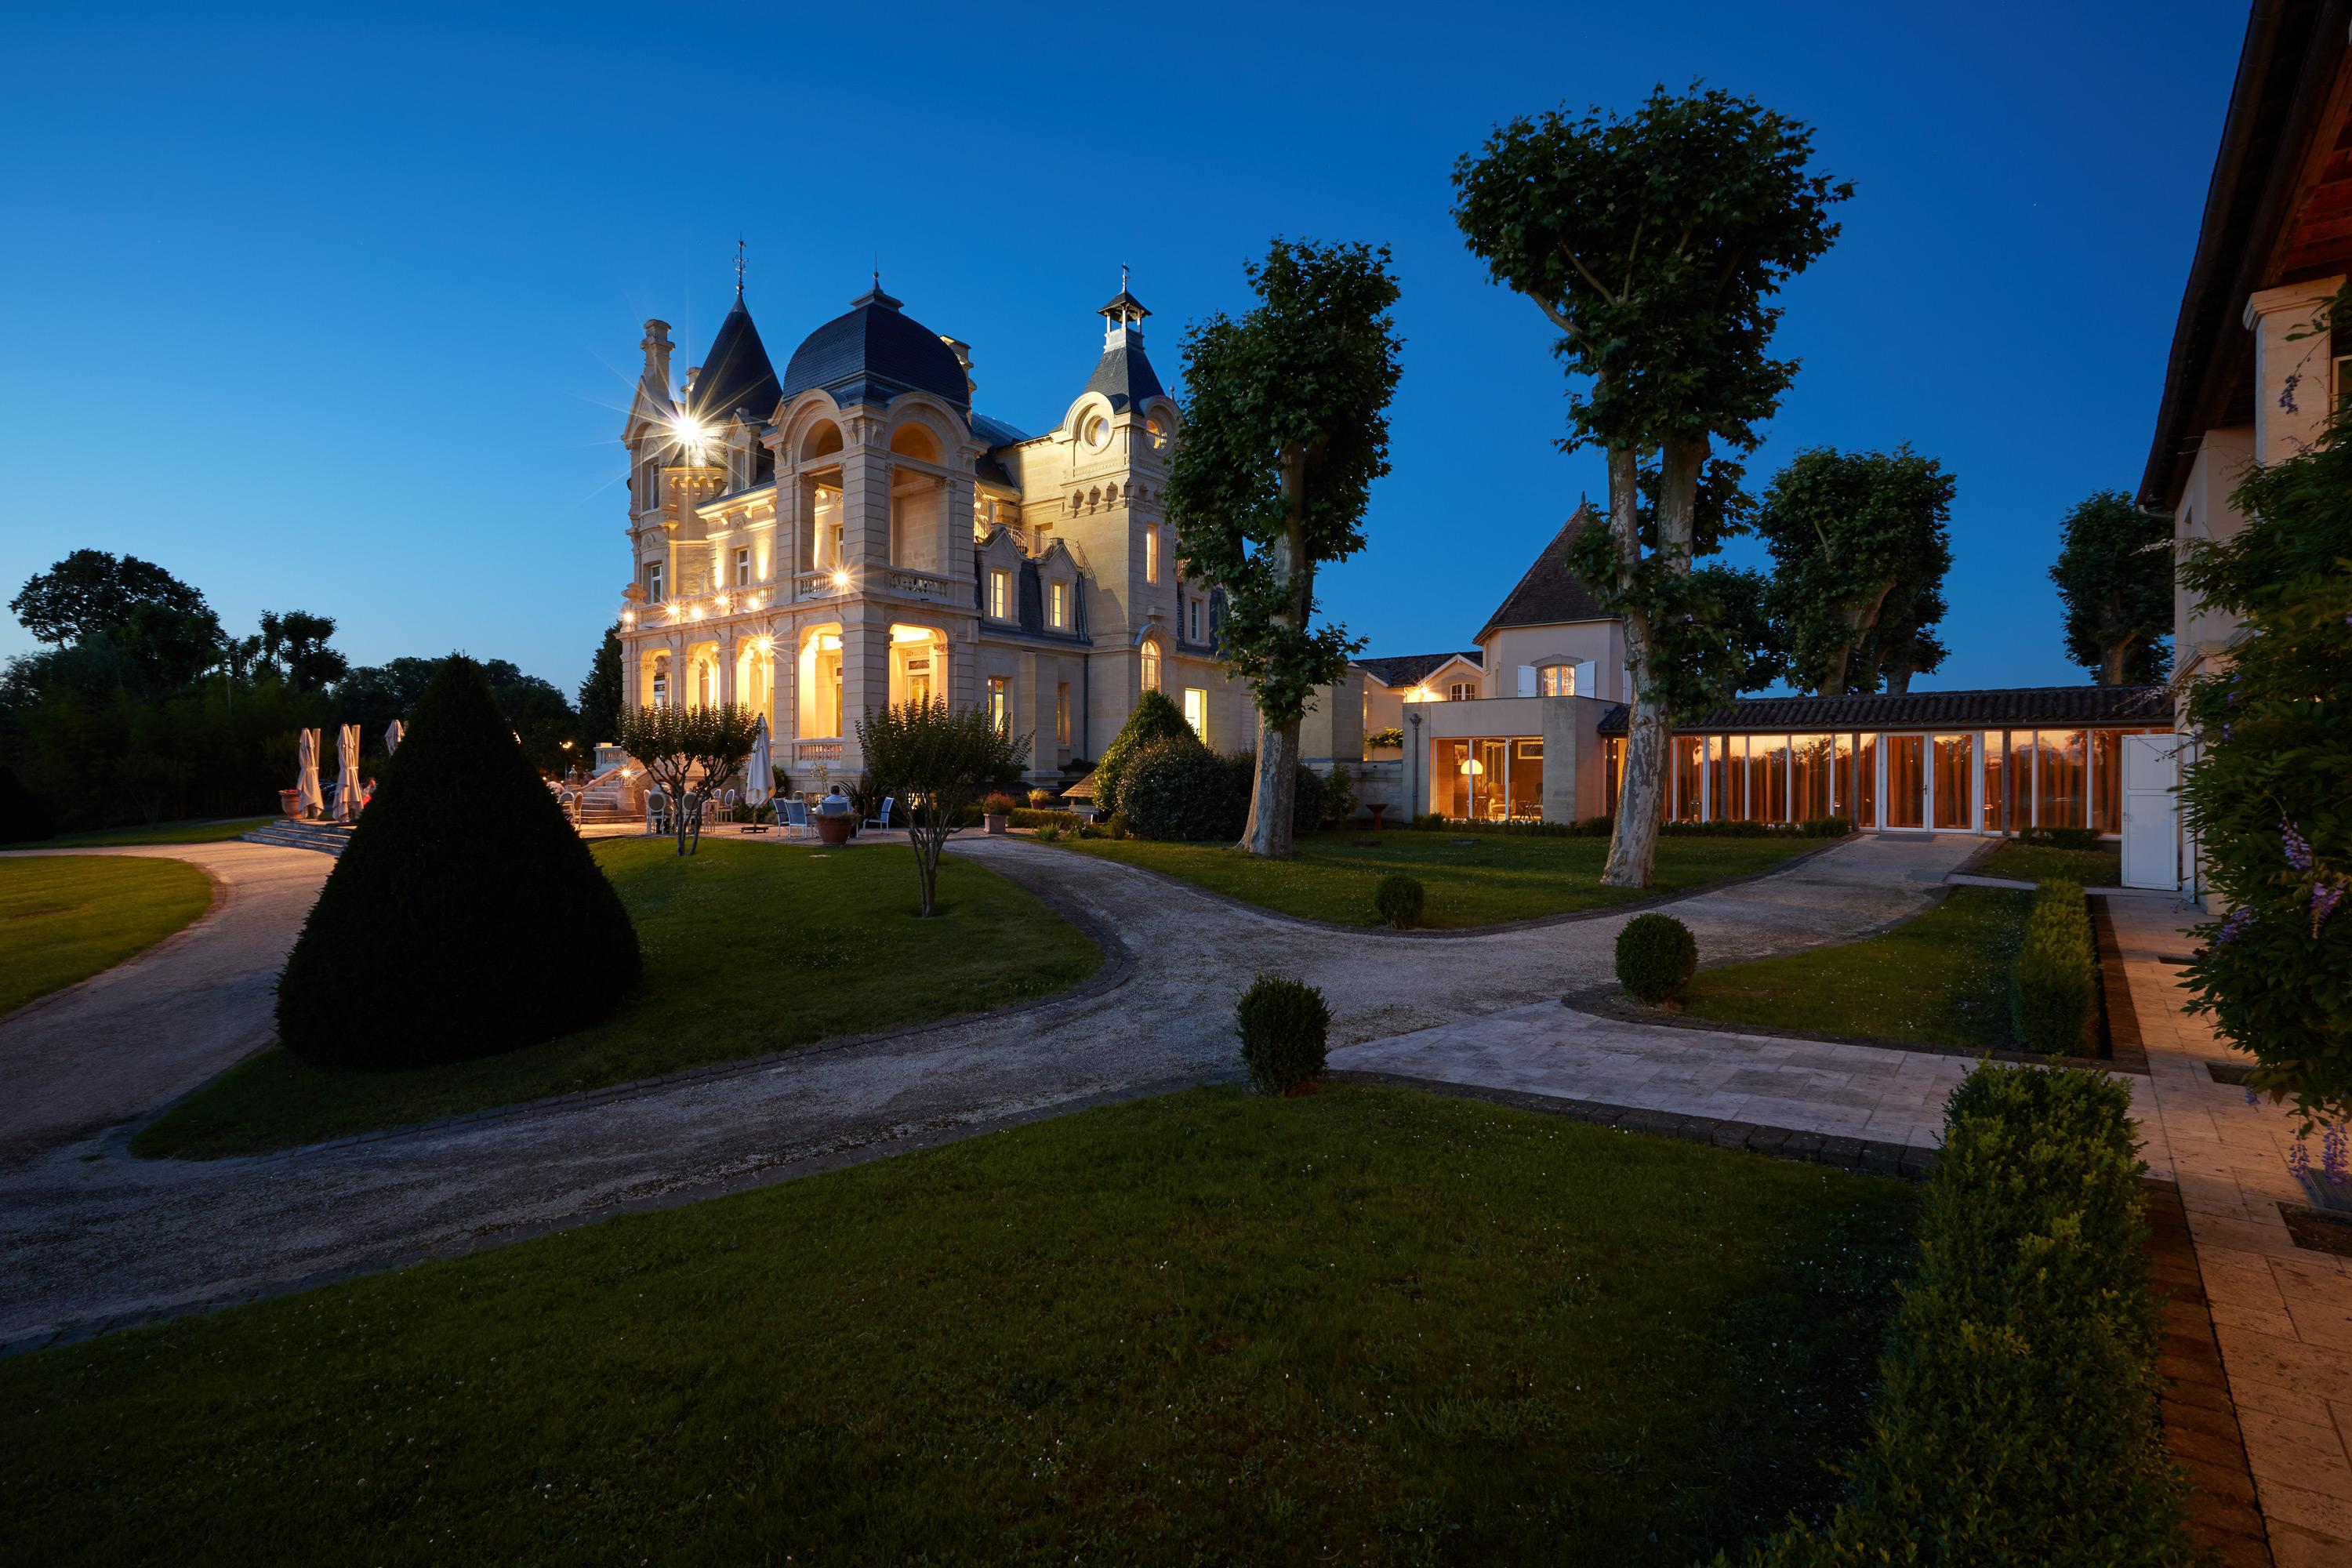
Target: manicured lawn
[[2042, 863], [1472, 880], [748, 948], [1941, 978], [1365, 1326], [64, 918], [207, 832]]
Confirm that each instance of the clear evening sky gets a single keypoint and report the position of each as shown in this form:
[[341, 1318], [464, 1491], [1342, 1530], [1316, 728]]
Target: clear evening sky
[[336, 308]]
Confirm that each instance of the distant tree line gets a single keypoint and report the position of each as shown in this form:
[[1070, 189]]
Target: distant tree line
[[142, 707]]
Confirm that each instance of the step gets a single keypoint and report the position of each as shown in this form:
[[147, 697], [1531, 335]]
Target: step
[[326, 837]]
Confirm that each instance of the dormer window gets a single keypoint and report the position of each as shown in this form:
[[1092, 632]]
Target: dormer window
[[1057, 605], [1193, 621], [1157, 434], [1096, 430], [1462, 691], [1000, 594]]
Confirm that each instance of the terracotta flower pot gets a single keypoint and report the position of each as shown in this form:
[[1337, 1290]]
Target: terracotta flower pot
[[835, 831], [993, 824]]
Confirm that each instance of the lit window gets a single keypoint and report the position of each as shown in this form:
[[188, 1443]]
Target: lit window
[[1000, 594], [1462, 691], [653, 582], [743, 567], [1061, 603], [1150, 666], [1000, 706], [1557, 681], [1196, 712], [1151, 555], [1061, 714], [1158, 433]]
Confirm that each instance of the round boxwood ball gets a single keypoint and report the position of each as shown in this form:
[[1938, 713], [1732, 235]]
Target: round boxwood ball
[[1284, 1025], [1398, 900], [1656, 957]]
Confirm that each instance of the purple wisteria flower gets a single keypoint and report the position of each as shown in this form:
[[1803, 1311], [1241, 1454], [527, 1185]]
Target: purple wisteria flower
[[2325, 897], [2298, 1159], [2234, 927], [2333, 1150], [2298, 853]]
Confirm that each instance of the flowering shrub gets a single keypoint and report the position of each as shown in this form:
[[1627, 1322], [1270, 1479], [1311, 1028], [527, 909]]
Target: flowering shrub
[[2268, 798]]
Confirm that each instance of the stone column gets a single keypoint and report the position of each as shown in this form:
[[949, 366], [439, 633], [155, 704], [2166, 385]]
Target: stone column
[[1033, 707], [866, 495], [1560, 744], [865, 673]]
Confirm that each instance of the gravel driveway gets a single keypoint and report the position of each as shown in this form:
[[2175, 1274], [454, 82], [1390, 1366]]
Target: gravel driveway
[[90, 1234]]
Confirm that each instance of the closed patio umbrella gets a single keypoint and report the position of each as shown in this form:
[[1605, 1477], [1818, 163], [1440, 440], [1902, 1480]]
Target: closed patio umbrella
[[347, 774], [306, 777], [760, 772], [394, 733]]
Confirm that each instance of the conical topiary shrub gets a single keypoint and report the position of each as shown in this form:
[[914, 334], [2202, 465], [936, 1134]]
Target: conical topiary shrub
[[466, 916]]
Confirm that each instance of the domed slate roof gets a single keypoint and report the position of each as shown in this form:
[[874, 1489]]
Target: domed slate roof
[[874, 353]]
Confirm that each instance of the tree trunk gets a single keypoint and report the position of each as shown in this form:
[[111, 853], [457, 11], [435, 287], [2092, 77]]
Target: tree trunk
[[2111, 662], [1899, 679], [1275, 789], [1641, 792]]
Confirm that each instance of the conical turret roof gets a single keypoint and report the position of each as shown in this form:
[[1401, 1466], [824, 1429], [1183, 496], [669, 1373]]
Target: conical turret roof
[[736, 373]]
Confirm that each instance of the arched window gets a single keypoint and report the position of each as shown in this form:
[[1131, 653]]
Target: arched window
[[1151, 664], [1462, 691]]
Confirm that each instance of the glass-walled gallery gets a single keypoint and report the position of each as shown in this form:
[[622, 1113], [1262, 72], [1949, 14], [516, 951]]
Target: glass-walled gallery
[[1969, 781], [1497, 778]]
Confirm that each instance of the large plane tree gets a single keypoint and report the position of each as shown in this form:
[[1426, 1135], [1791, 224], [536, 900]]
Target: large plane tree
[[1653, 243], [1286, 427]]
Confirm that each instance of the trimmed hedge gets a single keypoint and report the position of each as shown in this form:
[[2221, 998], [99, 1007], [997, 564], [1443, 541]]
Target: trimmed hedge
[[1035, 817], [1154, 718], [1178, 789], [2053, 989], [1284, 1025], [466, 917], [2017, 1418], [1656, 957], [2059, 838], [1398, 899]]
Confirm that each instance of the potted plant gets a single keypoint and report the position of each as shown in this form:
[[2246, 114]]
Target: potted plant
[[996, 810]]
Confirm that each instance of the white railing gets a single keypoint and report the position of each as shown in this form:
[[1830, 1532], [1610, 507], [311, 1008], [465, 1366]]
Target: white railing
[[826, 585]]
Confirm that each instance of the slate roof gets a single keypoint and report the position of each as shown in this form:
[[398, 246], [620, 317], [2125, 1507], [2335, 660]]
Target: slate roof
[[1550, 593], [1126, 378], [1122, 301], [1409, 668], [873, 354], [2055, 705], [735, 374]]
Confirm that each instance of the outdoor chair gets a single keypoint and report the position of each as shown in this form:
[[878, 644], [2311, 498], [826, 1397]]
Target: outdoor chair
[[883, 821], [657, 812], [796, 819], [727, 805]]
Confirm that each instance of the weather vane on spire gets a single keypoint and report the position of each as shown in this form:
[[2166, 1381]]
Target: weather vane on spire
[[739, 266], [1122, 277]]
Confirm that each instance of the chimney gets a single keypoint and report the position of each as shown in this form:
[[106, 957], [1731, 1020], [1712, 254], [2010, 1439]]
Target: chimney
[[656, 347]]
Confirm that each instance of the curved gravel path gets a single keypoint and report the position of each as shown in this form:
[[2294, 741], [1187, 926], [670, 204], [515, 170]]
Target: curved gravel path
[[156, 1025], [90, 1234]]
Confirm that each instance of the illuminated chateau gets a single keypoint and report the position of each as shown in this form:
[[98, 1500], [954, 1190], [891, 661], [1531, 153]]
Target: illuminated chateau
[[853, 534]]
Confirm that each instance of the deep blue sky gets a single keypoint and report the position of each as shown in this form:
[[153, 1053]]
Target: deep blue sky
[[336, 308]]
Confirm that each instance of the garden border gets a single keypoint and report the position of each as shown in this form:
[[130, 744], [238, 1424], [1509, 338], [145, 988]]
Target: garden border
[[223, 895], [1118, 964], [1533, 923], [1611, 1002]]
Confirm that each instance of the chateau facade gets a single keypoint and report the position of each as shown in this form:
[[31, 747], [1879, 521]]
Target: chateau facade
[[852, 533]]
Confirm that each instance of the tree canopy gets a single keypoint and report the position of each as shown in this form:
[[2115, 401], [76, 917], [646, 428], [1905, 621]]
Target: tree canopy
[[1860, 544], [936, 759], [2114, 574], [1654, 242], [295, 641], [1285, 429], [601, 694], [92, 592], [2266, 793], [685, 749]]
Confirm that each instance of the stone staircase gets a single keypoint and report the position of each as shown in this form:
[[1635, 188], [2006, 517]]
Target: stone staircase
[[326, 837]]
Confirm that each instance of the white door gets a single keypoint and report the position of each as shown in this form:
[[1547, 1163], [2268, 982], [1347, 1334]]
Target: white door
[[2151, 859]]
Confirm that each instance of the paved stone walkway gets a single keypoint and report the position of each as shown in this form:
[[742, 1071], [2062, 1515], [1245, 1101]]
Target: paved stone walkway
[[92, 1237], [2283, 1314], [158, 1023]]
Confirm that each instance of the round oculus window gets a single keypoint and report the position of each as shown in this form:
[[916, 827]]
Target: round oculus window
[[1097, 430]]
